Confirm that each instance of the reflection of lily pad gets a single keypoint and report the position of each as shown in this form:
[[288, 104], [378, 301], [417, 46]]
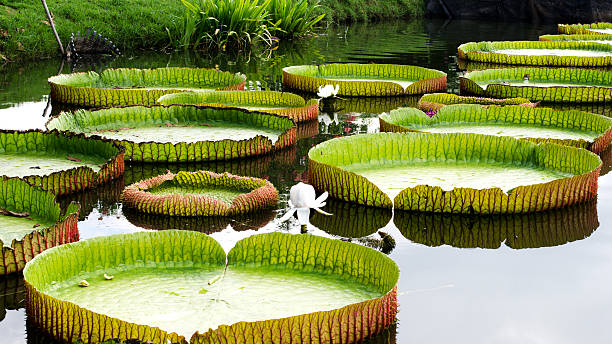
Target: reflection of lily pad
[[263, 289], [12, 294], [575, 54], [365, 79], [104, 198], [559, 85], [202, 224], [201, 193], [281, 103], [591, 29], [350, 220], [367, 105], [124, 86], [30, 222], [543, 229], [572, 128], [453, 173], [182, 133], [435, 101]]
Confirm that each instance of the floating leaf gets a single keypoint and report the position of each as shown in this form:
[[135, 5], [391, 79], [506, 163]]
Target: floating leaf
[[404, 164], [195, 133], [365, 79], [116, 87], [431, 103], [367, 310], [591, 29]]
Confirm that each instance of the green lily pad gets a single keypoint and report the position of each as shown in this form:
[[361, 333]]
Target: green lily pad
[[563, 85], [572, 128], [558, 53], [517, 231], [182, 133], [594, 38], [30, 222], [200, 193], [453, 173], [433, 102], [270, 285], [365, 79], [125, 86], [281, 103], [59, 163], [590, 29]]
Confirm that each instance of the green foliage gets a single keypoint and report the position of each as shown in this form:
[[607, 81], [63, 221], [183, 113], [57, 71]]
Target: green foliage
[[293, 18]]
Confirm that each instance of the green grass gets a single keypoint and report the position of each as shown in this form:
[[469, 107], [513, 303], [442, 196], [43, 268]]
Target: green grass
[[141, 24]]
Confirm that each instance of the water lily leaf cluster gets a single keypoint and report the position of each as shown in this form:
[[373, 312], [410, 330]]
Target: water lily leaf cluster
[[126, 86], [338, 166], [31, 221], [557, 53], [431, 103], [182, 133], [572, 128], [60, 163], [365, 80], [201, 193], [591, 29], [557, 85], [55, 305], [281, 103]]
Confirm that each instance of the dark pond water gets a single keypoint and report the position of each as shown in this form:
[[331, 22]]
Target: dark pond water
[[538, 278]]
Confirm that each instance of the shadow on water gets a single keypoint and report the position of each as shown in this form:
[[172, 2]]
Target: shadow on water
[[104, 198], [350, 220], [544, 229], [12, 293]]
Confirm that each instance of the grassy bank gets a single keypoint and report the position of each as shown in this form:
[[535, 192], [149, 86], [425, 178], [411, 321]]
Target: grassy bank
[[135, 24]]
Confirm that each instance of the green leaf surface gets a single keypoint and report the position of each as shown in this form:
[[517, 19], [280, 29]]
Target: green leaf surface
[[365, 79], [572, 128], [591, 29], [558, 85], [199, 133], [358, 298], [435, 101], [126, 86], [568, 175], [558, 53]]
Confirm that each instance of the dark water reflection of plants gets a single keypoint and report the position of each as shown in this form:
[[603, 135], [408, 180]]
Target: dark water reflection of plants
[[500, 279]]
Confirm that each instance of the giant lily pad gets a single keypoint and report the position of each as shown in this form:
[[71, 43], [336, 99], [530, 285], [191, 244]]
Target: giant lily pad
[[453, 173], [517, 231], [59, 163], [561, 85], [576, 54], [281, 103], [201, 193], [170, 285], [182, 133], [431, 103], [596, 38], [124, 86], [572, 128], [590, 29], [31, 222], [365, 79]]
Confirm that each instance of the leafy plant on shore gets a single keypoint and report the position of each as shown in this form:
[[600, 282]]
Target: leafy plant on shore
[[292, 18]]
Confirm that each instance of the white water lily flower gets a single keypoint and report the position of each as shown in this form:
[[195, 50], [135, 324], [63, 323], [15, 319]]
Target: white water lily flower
[[328, 91], [302, 199]]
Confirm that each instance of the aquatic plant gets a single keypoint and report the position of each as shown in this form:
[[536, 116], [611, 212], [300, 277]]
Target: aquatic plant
[[127, 86], [31, 222], [56, 162], [591, 29], [365, 79], [571, 128], [558, 53], [559, 85], [592, 37], [431, 103], [328, 91], [252, 270], [281, 103], [517, 231], [294, 18], [428, 172], [182, 133], [302, 198], [201, 193]]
